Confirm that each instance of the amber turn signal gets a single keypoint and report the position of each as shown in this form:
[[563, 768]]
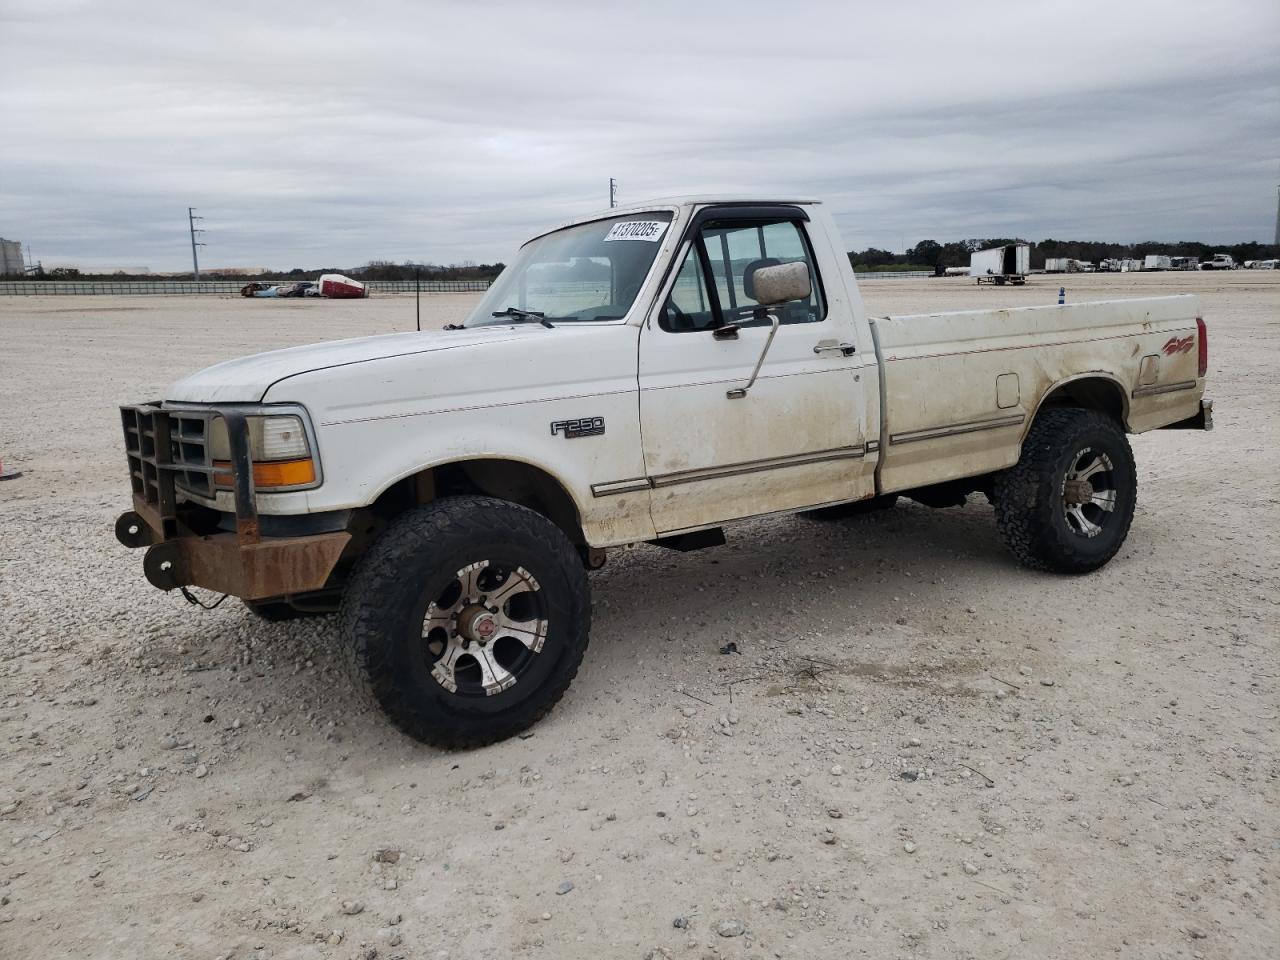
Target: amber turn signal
[[279, 473]]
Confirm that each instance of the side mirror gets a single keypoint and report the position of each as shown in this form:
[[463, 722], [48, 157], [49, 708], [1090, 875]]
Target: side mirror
[[781, 283]]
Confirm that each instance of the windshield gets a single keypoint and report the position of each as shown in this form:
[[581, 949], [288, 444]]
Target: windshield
[[589, 272]]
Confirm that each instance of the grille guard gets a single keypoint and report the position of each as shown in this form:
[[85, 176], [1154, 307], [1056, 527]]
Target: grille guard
[[148, 439], [241, 564]]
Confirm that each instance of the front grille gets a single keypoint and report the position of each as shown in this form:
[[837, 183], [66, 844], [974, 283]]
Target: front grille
[[189, 448]]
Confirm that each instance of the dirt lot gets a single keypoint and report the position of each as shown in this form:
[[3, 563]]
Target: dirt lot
[[928, 751]]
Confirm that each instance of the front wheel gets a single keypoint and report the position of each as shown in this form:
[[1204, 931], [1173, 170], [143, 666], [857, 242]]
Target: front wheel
[[1067, 504], [467, 620]]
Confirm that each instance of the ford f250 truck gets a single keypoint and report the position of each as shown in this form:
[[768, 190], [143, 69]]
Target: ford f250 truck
[[642, 375]]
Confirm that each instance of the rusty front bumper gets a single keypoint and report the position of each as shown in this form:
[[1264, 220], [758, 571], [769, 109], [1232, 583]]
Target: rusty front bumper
[[244, 564]]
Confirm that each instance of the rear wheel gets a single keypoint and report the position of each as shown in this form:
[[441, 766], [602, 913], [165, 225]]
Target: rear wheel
[[467, 620], [1067, 504]]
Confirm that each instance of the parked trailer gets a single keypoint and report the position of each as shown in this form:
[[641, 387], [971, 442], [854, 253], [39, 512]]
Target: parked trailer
[[1000, 265], [1184, 263], [1155, 261], [1057, 264]]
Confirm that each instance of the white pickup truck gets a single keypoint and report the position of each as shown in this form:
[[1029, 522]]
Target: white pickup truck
[[642, 375]]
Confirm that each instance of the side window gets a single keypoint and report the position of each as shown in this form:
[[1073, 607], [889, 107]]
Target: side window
[[734, 251], [688, 307]]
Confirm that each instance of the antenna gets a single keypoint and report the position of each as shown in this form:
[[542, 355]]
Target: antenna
[[191, 222], [613, 193]]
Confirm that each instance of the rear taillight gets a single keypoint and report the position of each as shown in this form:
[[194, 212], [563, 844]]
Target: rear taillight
[[1202, 344]]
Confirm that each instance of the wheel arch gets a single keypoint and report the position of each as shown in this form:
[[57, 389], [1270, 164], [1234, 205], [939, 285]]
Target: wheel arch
[[512, 479], [1094, 390]]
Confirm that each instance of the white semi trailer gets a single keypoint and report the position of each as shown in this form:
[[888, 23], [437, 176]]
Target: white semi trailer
[[1000, 265]]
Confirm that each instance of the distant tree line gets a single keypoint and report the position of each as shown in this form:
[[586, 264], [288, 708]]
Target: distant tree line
[[925, 255], [931, 255], [386, 270], [373, 270]]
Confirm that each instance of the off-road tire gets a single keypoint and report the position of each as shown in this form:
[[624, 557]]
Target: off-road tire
[[393, 585], [1029, 500], [842, 511]]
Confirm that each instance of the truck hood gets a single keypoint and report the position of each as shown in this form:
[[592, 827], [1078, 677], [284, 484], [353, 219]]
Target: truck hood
[[247, 379]]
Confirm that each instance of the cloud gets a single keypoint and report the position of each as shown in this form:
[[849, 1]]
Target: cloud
[[325, 134]]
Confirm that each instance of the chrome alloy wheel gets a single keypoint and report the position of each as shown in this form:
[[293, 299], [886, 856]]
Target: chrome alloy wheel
[[485, 629], [1089, 492]]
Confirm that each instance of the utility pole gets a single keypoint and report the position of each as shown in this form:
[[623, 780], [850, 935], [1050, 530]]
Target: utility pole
[[1277, 241], [191, 222], [613, 193]]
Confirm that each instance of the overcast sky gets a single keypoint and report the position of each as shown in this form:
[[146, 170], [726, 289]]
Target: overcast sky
[[322, 133]]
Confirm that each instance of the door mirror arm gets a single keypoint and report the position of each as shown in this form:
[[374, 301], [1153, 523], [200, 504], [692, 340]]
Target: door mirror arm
[[737, 393]]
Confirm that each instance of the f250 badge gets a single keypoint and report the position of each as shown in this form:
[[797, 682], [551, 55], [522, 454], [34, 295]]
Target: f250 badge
[[584, 427]]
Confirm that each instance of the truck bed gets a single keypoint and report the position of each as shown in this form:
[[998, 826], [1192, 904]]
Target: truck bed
[[959, 390]]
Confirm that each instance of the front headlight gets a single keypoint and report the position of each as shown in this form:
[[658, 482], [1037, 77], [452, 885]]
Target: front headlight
[[282, 455]]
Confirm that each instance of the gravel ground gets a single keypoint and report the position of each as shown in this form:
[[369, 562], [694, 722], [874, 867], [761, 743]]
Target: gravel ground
[[921, 750]]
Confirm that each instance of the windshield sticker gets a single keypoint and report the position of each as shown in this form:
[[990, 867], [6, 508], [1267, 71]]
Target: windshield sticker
[[651, 230]]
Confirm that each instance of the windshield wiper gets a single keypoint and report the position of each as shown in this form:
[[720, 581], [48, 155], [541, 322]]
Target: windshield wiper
[[525, 316]]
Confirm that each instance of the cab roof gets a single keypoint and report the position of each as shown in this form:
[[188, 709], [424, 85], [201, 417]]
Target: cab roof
[[689, 202]]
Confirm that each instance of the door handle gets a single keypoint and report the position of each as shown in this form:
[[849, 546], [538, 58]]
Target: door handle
[[846, 349]]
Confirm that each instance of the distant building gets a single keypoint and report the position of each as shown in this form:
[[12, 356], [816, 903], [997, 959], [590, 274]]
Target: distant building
[[11, 262]]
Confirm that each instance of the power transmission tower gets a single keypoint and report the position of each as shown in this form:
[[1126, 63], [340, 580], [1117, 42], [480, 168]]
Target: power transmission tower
[[191, 222], [1277, 240], [613, 193]]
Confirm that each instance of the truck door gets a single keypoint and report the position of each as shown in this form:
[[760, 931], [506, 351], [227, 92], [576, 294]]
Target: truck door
[[797, 438]]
